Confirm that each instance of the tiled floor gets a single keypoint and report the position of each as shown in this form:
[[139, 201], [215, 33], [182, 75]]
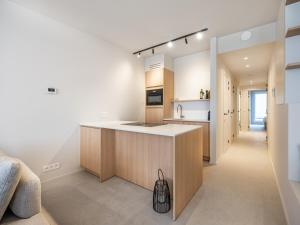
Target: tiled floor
[[240, 190]]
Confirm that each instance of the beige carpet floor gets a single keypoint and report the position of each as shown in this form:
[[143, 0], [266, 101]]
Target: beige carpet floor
[[239, 190]]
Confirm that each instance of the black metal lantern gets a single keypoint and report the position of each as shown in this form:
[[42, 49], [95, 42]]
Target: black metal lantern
[[161, 194]]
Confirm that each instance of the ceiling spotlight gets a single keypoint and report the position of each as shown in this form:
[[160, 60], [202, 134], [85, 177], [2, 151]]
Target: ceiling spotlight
[[246, 58], [247, 66], [186, 41], [153, 51], [170, 44], [199, 35], [139, 55]]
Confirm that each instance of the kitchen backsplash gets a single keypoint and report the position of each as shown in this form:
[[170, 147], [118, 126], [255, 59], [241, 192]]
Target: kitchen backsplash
[[193, 110]]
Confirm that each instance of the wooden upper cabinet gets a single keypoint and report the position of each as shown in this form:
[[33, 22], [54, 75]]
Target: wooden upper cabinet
[[90, 149], [154, 78]]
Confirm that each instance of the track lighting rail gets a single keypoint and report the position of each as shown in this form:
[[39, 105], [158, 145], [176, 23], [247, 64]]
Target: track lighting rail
[[164, 43]]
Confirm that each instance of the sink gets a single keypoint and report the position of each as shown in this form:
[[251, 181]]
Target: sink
[[142, 124]]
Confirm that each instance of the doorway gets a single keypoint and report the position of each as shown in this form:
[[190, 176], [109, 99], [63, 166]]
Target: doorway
[[258, 109], [242, 96]]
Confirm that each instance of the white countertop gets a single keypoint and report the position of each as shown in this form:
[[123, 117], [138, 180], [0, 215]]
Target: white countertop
[[187, 120], [171, 130]]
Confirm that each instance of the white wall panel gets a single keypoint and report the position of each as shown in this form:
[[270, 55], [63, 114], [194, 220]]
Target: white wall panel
[[95, 81]]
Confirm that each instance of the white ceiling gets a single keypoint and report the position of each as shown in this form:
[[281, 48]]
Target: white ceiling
[[137, 24], [259, 58]]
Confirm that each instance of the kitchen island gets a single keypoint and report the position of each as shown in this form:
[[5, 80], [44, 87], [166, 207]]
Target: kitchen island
[[136, 152], [205, 127]]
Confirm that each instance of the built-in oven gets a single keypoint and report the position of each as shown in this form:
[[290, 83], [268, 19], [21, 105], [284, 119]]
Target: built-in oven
[[154, 97]]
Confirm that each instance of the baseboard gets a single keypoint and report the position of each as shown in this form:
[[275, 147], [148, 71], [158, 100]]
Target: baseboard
[[280, 193]]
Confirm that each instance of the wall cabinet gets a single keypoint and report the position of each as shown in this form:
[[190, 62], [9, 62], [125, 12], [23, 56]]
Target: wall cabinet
[[154, 78], [206, 135], [163, 78]]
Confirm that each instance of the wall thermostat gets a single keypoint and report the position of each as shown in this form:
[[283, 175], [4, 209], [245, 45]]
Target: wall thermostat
[[52, 91]]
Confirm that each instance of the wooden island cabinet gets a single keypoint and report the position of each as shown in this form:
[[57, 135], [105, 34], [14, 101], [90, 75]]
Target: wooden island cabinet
[[206, 133], [135, 153]]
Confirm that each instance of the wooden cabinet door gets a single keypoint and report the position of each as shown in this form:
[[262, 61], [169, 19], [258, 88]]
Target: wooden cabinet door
[[154, 114], [154, 78], [90, 149], [206, 138]]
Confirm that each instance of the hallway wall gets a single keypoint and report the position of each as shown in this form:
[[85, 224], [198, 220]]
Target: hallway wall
[[226, 127], [278, 132], [244, 110], [279, 121]]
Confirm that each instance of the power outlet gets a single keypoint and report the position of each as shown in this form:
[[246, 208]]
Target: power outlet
[[50, 167]]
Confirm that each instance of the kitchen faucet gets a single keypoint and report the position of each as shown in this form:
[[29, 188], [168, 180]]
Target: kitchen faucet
[[180, 106]]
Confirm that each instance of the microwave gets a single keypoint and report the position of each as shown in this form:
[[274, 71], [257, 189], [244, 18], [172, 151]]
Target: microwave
[[155, 97]]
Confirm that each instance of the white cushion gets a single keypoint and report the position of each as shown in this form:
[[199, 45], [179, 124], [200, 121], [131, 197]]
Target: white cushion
[[26, 201], [10, 173]]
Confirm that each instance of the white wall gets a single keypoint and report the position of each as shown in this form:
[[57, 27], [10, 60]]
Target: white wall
[[213, 99], [221, 71], [283, 128], [294, 143], [292, 18], [260, 35], [292, 54], [278, 141], [95, 81], [221, 131], [191, 74]]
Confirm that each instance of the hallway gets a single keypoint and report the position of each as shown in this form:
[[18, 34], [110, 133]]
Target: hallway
[[241, 189]]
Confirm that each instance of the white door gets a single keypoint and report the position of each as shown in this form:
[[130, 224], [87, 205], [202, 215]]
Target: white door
[[244, 110], [233, 113], [226, 112]]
